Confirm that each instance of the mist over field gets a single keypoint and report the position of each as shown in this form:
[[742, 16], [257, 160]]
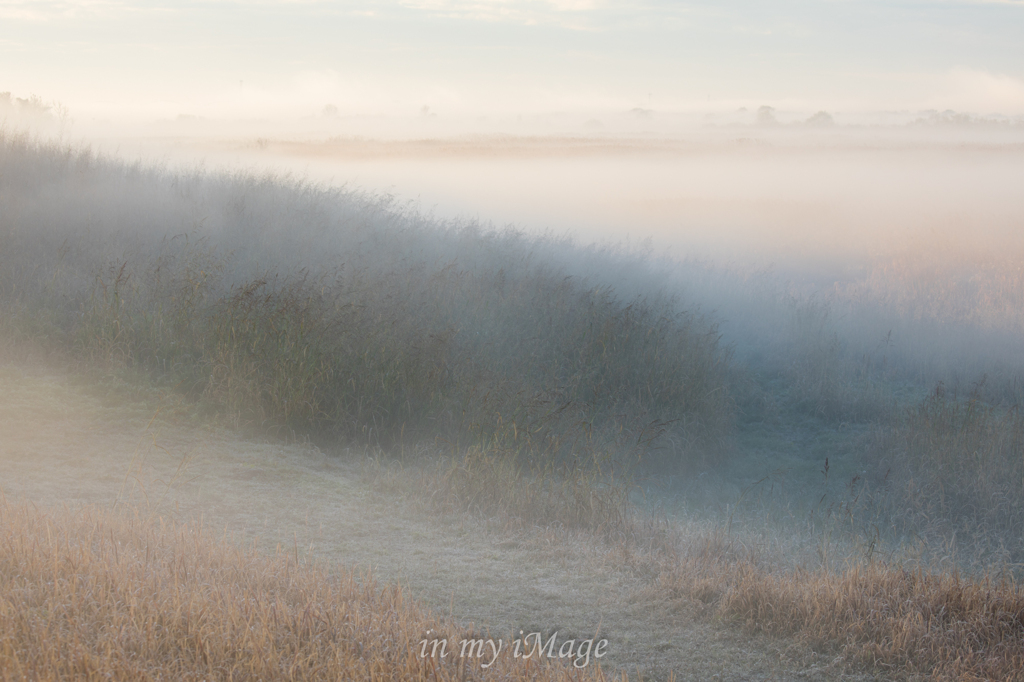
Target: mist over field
[[893, 221], [547, 340], [808, 336]]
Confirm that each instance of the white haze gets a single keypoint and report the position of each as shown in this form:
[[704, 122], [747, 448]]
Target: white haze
[[908, 235], [820, 202], [900, 230]]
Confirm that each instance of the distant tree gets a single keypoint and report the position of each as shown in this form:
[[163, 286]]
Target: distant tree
[[766, 116], [32, 107], [30, 110], [822, 119]]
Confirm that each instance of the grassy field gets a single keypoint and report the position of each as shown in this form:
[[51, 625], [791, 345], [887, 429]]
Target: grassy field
[[843, 469]]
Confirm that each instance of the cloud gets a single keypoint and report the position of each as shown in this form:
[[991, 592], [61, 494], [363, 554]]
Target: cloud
[[49, 10], [562, 12]]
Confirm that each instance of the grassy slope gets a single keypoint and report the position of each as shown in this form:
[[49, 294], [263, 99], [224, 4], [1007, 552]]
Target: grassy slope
[[69, 439]]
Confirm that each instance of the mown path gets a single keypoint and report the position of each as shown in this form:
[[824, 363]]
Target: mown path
[[64, 441]]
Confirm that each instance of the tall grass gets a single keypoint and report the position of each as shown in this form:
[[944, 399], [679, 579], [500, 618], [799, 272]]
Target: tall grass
[[493, 485], [899, 622], [951, 473], [315, 311]]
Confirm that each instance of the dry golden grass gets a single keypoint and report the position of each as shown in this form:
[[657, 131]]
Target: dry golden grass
[[94, 594], [954, 469], [491, 483], [874, 616]]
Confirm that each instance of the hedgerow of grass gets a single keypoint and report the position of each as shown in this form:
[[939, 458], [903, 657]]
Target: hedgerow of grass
[[322, 313]]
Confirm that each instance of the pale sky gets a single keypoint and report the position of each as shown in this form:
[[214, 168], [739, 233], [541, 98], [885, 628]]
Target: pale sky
[[224, 59]]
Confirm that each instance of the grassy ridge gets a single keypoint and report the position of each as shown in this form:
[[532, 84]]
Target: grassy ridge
[[322, 312]]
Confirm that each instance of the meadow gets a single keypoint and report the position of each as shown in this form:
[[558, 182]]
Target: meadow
[[842, 467]]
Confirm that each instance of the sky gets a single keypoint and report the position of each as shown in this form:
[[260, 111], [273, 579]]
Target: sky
[[273, 58]]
